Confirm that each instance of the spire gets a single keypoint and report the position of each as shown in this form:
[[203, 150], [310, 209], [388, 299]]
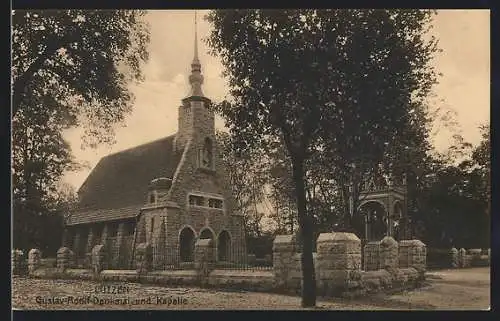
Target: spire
[[196, 78], [196, 59]]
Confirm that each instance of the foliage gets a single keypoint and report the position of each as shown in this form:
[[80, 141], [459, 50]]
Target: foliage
[[261, 245], [343, 83], [69, 68], [247, 178], [32, 221], [86, 55], [454, 205]]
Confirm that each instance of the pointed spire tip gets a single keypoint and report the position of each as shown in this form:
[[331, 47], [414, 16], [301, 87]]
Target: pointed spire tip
[[195, 36]]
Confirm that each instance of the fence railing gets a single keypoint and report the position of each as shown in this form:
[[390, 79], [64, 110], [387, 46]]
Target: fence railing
[[121, 257], [170, 259]]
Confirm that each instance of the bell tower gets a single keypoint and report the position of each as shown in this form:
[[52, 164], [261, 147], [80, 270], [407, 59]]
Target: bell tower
[[196, 122]]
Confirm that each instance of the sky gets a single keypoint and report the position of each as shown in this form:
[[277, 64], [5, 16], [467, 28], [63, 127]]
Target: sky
[[464, 88]]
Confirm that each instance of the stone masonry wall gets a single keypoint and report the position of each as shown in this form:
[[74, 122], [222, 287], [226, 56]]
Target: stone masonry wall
[[99, 258], [19, 262], [338, 263], [389, 253], [34, 260], [413, 254], [283, 253], [189, 178], [337, 268], [454, 258]]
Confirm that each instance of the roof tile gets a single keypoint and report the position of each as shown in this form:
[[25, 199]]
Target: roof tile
[[117, 187]]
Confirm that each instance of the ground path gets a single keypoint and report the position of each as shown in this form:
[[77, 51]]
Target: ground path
[[465, 289]]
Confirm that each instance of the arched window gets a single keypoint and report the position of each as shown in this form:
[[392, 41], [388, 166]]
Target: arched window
[[206, 234], [186, 245], [207, 154], [223, 246]]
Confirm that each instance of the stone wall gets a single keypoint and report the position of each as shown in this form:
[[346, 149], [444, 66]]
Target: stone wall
[[100, 258], [190, 178], [338, 265], [65, 258], [34, 260], [389, 253], [337, 268], [18, 262], [457, 258], [413, 253], [283, 258], [454, 258]]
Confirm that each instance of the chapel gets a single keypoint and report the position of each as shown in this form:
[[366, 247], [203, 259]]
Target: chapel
[[169, 193]]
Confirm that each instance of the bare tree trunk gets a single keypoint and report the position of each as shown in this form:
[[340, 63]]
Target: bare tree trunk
[[306, 229]]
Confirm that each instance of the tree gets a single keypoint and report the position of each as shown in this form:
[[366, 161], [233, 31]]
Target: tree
[[40, 156], [247, 177], [453, 204], [481, 157], [69, 68], [297, 75], [80, 60]]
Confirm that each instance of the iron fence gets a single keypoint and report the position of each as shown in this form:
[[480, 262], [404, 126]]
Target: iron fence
[[166, 258], [258, 255]]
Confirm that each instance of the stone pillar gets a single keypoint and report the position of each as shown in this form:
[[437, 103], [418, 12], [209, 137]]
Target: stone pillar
[[18, 262], [475, 256], [389, 258], [63, 258], [160, 251], [34, 260], [390, 213], [283, 252], [204, 256], [65, 237], [204, 251], [143, 258], [88, 249], [116, 257], [338, 262], [454, 258], [104, 235], [90, 241], [76, 246], [367, 227], [73, 259], [99, 259], [413, 253], [462, 258], [371, 258], [141, 230]]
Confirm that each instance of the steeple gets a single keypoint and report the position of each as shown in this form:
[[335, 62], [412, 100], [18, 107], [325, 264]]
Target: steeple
[[196, 119], [196, 78]]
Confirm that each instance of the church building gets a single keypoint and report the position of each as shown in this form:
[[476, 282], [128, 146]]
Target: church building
[[168, 193]]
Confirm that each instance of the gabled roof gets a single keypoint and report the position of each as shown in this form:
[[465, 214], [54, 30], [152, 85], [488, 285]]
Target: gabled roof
[[117, 187]]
